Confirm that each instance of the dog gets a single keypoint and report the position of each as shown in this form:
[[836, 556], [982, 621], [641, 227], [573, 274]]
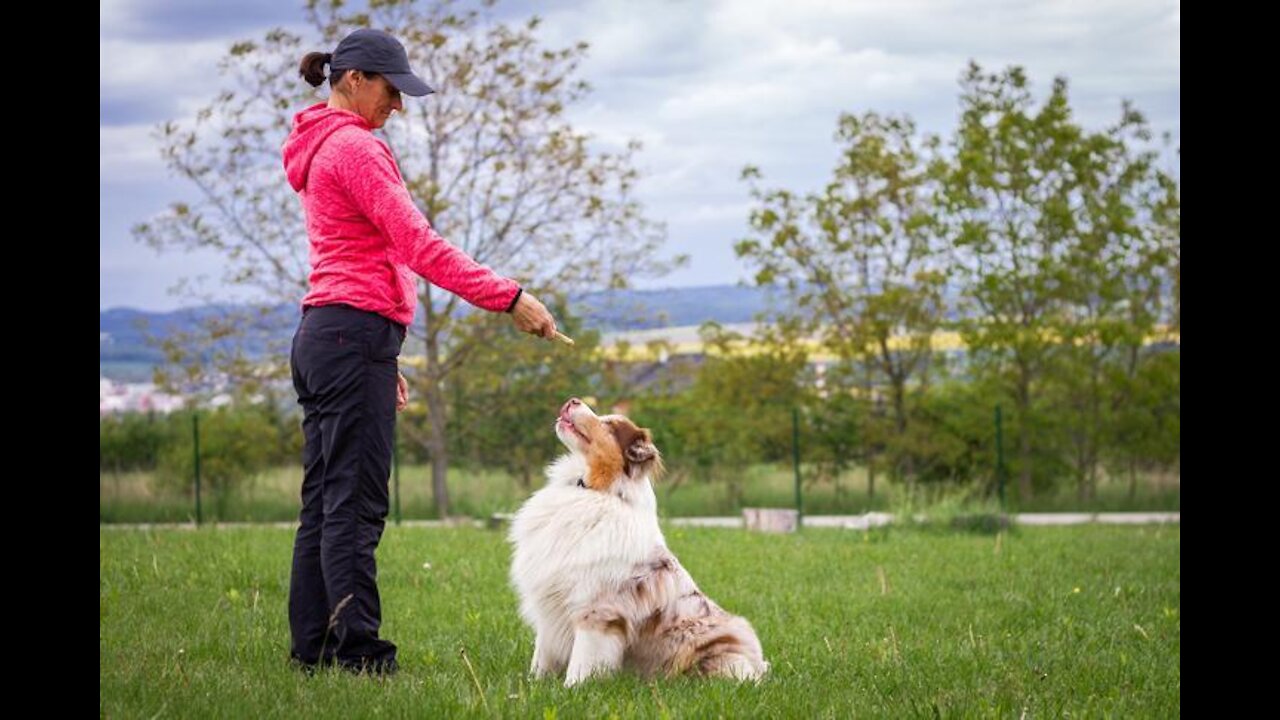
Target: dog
[[595, 578]]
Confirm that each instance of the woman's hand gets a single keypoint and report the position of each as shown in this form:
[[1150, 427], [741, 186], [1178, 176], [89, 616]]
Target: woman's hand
[[532, 316]]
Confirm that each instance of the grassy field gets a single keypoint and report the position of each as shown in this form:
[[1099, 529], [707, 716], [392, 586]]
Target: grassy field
[[135, 497], [894, 623]]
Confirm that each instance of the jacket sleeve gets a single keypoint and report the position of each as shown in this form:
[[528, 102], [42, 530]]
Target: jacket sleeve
[[369, 173]]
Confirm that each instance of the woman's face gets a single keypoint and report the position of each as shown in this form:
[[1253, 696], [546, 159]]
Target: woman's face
[[374, 99]]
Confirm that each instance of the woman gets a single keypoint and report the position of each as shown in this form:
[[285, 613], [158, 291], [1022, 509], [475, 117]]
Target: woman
[[367, 241]]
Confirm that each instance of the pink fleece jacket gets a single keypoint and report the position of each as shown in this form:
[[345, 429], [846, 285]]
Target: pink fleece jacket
[[367, 236]]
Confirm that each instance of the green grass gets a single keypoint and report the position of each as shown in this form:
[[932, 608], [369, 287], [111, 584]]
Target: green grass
[[1047, 621], [274, 496], [135, 497]]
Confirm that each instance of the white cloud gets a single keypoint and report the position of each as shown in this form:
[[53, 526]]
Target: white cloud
[[709, 87]]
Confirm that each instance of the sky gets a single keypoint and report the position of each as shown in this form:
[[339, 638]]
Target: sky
[[707, 87]]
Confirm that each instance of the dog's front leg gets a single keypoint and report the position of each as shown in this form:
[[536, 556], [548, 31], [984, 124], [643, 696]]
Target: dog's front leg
[[550, 653], [599, 641], [594, 653]]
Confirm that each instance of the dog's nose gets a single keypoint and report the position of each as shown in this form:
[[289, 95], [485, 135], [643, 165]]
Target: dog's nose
[[569, 405]]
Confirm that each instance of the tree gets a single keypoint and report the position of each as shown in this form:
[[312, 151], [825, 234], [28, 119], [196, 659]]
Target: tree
[[861, 259], [1113, 280], [738, 410], [491, 160], [1045, 220]]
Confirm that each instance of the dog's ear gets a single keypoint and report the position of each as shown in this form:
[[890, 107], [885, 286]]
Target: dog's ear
[[643, 456], [641, 449], [639, 456]]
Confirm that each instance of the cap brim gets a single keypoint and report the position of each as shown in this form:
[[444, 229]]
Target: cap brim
[[409, 84]]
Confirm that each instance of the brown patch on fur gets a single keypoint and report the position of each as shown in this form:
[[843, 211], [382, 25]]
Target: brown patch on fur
[[626, 434], [716, 646], [606, 621], [639, 455], [604, 461], [643, 592], [617, 625], [681, 661], [652, 623], [602, 468], [616, 446]]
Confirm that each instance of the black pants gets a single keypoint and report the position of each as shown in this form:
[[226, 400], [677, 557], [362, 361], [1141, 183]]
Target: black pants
[[344, 370]]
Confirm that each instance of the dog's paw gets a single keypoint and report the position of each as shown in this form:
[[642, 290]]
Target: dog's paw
[[576, 676]]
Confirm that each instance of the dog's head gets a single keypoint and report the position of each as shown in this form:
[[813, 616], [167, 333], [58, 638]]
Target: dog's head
[[613, 447]]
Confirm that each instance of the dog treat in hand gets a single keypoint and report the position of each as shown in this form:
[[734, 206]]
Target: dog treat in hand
[[564, 338]]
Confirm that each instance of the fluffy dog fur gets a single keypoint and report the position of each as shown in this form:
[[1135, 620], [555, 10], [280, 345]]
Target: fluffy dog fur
[[595, 578]]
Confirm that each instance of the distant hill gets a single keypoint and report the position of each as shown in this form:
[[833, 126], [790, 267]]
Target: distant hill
[[125, 354]]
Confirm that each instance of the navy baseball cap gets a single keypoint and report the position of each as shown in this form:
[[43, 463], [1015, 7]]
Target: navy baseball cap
[[369, 50]]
